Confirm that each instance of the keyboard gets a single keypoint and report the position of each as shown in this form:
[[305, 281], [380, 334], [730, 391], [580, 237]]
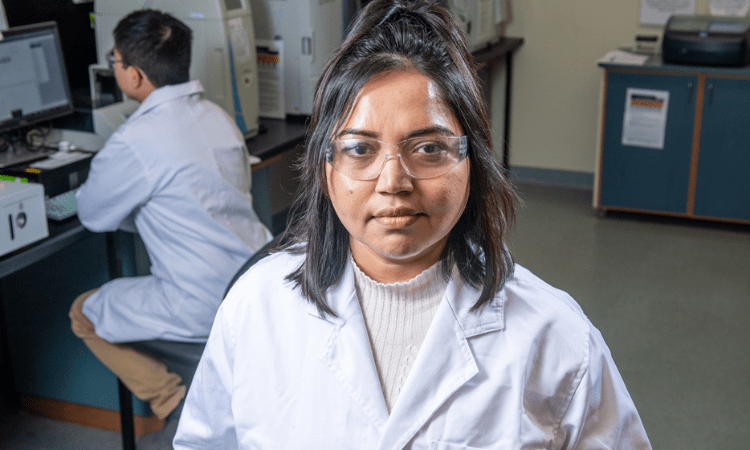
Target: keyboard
[[61, 207], [59, 159]]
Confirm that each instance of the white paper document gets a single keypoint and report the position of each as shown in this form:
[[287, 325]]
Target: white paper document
[[271, 78], [622, 57], [239, 39], [737, 8], [645, 121], [657, 12]]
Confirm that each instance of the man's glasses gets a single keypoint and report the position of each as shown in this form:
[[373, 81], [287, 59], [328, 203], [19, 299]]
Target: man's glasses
[[112, 60], [422, 157]]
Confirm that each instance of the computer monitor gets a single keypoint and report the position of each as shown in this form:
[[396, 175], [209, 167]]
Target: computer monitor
[[3, 18], [34, 83]]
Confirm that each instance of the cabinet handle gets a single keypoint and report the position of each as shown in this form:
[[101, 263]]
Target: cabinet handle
[[690, 93], [710, 93]]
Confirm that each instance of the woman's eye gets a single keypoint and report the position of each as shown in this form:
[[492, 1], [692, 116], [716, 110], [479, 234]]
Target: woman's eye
[[357, 150], [430, 148]]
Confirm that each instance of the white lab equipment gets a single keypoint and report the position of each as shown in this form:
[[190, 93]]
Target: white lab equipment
[[310, 30], [24, 221], [480, 20], [223, 54], [110, 108]]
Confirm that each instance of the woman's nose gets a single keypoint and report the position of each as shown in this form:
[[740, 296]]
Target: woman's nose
[[394, 177]]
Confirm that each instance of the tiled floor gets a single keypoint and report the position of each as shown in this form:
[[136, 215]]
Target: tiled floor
[[671, 297]]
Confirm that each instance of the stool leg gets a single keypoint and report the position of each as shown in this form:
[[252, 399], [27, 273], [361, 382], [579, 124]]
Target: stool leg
[[126, 416]]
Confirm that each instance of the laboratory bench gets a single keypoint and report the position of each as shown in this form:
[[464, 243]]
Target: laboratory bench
[[45, 368], [280, 140], [674, 140]]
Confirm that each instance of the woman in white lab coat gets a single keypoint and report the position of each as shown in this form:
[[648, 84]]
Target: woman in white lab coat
[[394, 317]]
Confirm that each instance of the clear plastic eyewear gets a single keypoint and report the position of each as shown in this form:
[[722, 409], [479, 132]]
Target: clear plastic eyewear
[[422, 157], [112, 60]]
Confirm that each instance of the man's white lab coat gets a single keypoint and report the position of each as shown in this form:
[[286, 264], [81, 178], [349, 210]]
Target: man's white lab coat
[[528, 372], [177, 172]]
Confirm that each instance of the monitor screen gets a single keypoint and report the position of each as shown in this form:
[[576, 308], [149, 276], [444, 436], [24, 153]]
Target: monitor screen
[[33, 82]]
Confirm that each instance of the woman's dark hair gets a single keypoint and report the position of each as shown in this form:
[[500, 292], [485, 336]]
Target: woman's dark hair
[[392, 35], [156, 43]]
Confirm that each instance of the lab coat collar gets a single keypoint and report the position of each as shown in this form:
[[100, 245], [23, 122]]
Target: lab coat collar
[[462, 298], [443, 365], [348, 354], [165, 94]]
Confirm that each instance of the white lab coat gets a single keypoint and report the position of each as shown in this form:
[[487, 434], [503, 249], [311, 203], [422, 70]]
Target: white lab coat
[[528, 372], [177, 172]]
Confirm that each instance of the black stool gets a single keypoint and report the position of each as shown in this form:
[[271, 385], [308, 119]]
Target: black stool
[[181, 358]]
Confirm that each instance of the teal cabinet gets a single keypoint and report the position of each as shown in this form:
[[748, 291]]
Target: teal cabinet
[[702, 168], [723, 168]]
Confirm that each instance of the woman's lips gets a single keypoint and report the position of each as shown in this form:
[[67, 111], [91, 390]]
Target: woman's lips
[[397, 218]]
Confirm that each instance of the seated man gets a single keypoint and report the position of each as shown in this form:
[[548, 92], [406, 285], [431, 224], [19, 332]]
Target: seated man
[[178, 173]]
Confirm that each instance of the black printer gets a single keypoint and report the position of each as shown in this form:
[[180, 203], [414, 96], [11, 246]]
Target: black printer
[[707, 40]]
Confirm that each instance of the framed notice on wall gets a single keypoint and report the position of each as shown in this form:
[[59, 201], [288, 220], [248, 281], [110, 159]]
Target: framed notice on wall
[[657, 12], [736, 8]]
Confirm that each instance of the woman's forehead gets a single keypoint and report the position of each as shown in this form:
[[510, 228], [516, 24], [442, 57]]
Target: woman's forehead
[[402, 99]]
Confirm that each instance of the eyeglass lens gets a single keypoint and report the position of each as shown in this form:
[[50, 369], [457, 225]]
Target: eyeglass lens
[[111, 59], [421, 157]]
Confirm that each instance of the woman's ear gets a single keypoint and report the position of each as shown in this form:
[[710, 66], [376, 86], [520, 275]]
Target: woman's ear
[[324, 181]]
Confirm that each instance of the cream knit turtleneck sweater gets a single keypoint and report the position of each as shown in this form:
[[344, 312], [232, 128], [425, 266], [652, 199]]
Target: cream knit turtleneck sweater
[[397, 316]]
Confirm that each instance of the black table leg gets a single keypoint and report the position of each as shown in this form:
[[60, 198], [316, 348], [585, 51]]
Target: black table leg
[[126, 416]]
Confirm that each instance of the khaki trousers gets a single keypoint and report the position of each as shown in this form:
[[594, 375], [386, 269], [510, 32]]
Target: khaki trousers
[[146, 377]]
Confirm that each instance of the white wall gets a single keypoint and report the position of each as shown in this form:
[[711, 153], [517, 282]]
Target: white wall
[[556, 80]]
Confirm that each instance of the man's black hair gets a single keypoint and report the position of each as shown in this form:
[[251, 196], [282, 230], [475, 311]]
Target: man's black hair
[[157, 44]]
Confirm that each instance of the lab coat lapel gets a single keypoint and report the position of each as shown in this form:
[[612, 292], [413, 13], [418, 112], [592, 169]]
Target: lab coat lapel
[[348, 354], [444, 363]]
